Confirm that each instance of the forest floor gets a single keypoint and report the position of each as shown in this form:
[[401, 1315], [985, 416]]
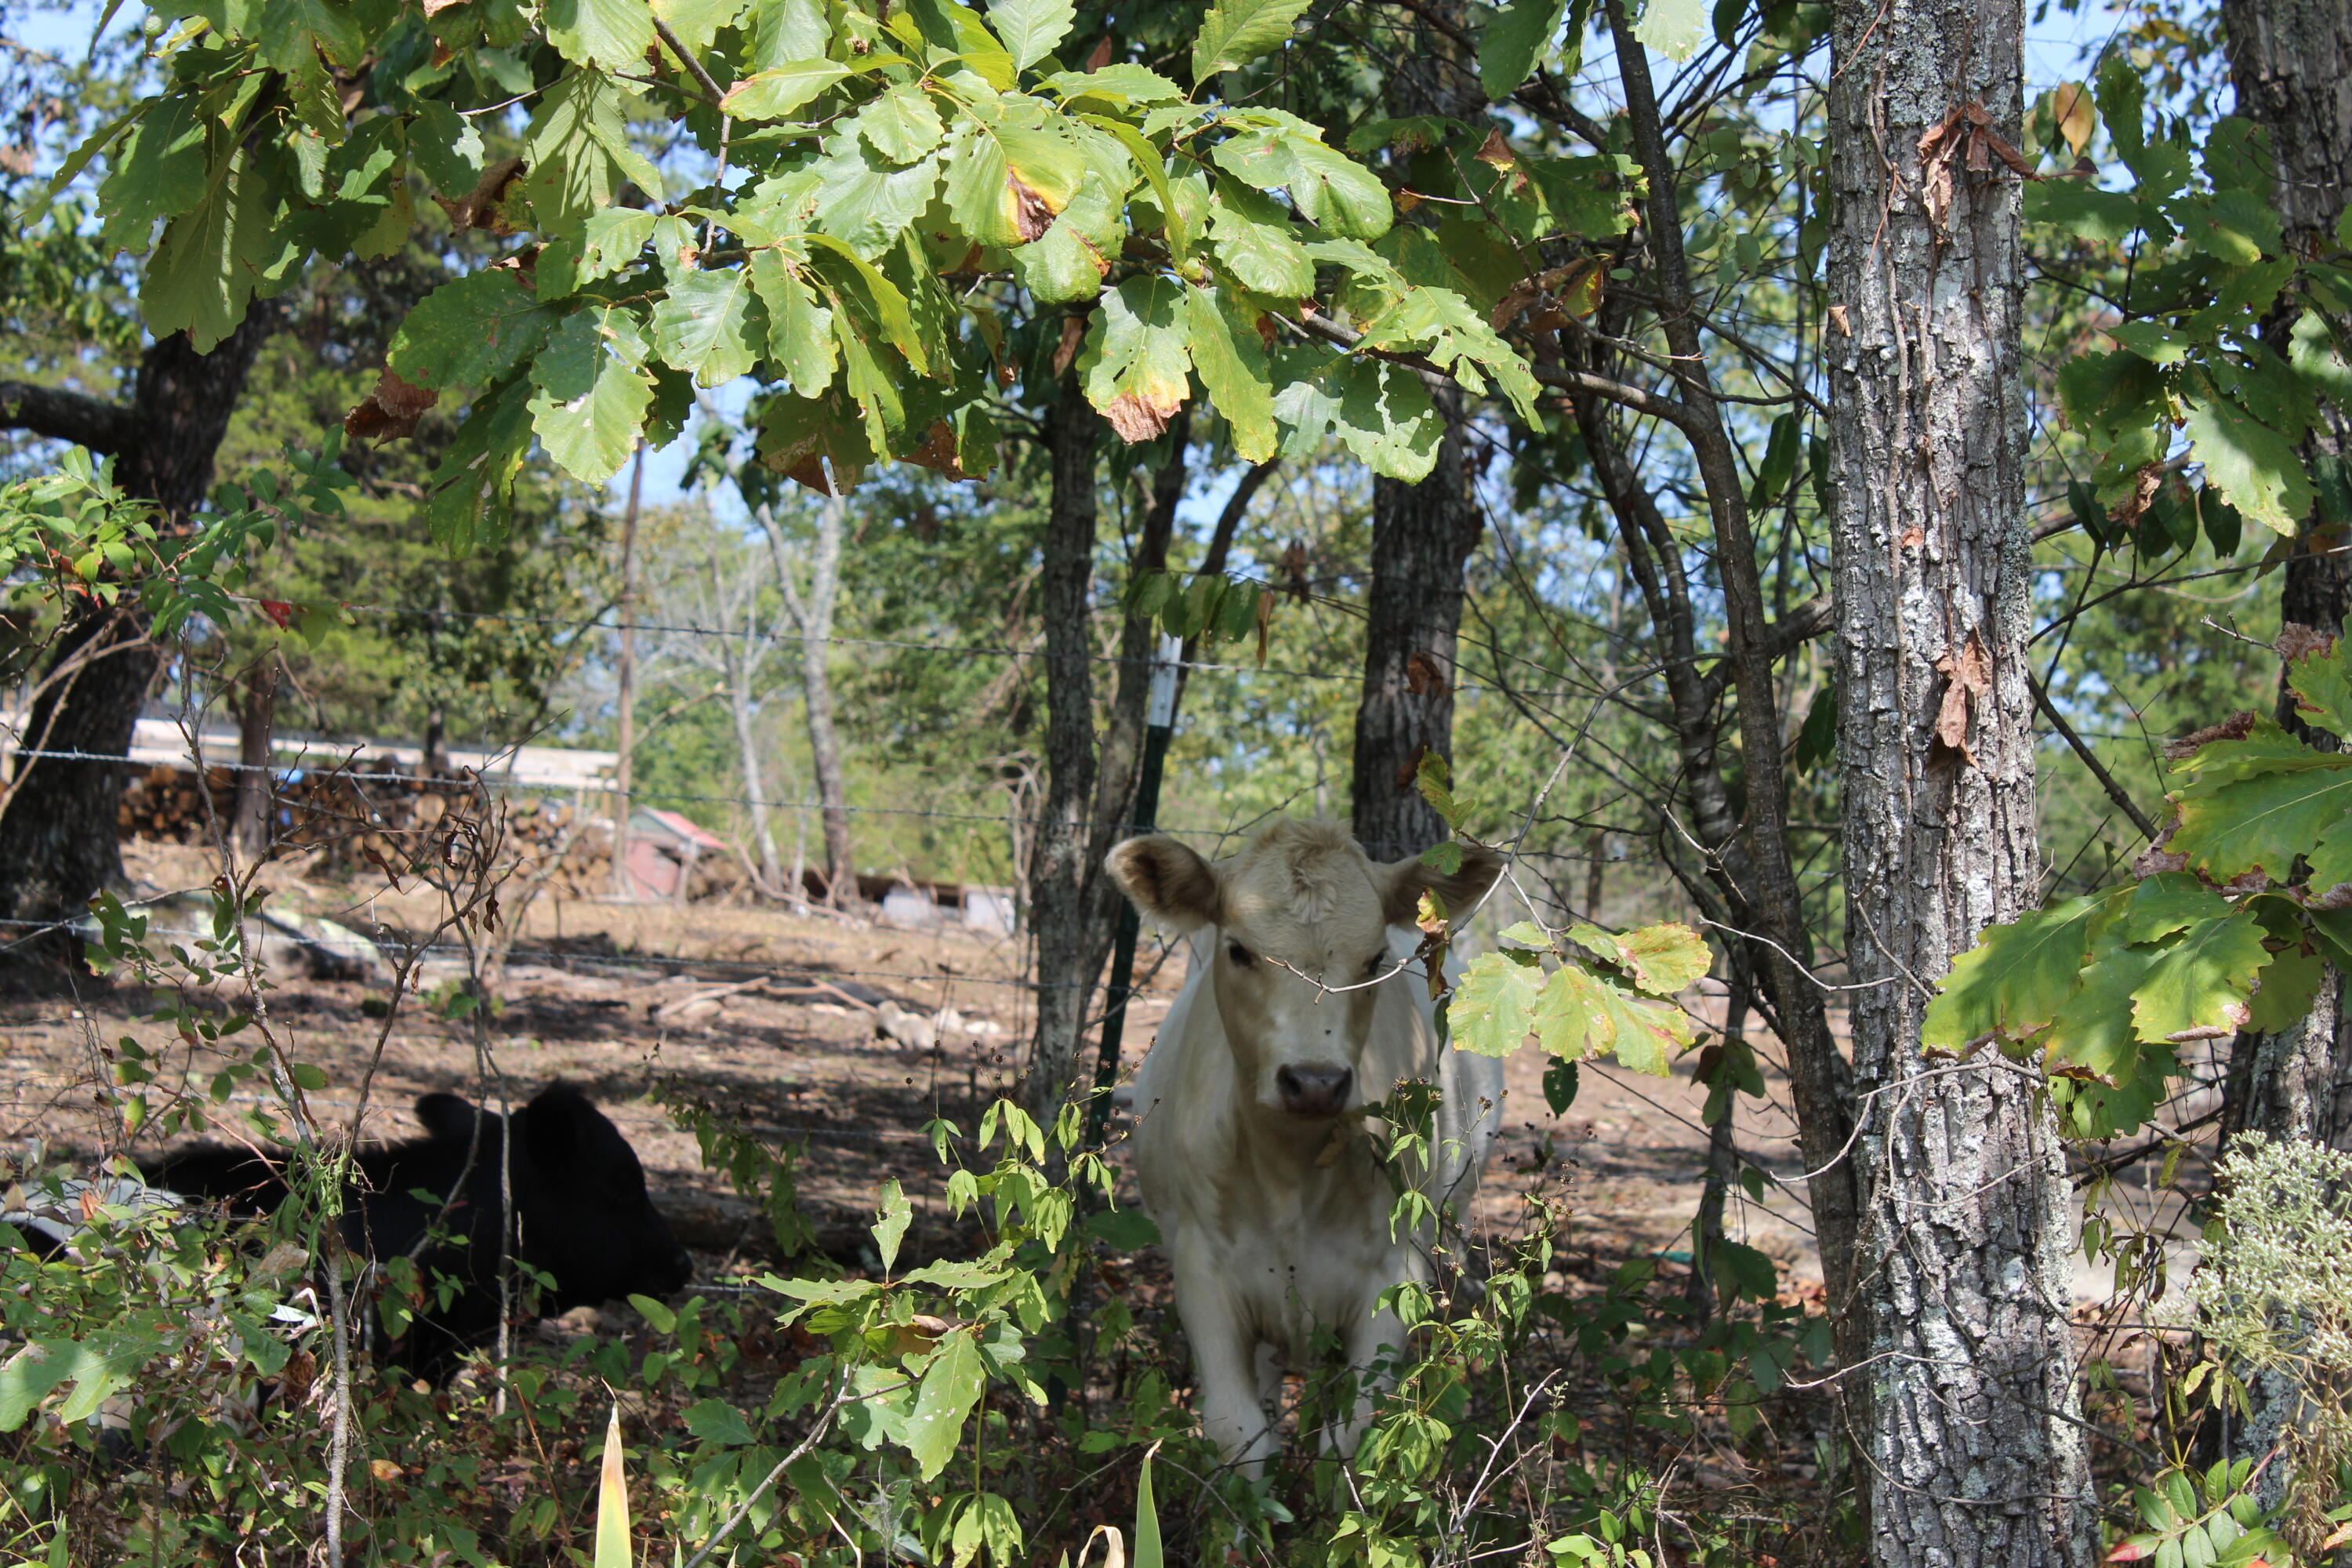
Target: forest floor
[[624, 999]]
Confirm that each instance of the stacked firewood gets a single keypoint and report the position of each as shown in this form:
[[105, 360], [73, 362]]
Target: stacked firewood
[[365, 818]]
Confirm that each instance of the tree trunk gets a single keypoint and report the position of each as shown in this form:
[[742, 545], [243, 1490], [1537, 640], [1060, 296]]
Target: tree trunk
[[2288, 62], [256, 719], [1422, 537], [812, 614], [624, 739], [58, 841], [1971, 1454], [1060, 867]]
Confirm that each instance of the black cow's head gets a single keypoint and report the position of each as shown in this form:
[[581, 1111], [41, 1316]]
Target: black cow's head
[[582, 1209]]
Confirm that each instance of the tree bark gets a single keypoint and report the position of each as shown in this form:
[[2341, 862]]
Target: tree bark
[[812, 614], [1060, 864], [59, 842], [1971, 1451], [257, 721], [1422, 538], [1089, 779]]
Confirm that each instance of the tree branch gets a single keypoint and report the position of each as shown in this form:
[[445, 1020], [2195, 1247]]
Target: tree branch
[[2098, 771], [1782, 638], [59, 415], [1681, 416]]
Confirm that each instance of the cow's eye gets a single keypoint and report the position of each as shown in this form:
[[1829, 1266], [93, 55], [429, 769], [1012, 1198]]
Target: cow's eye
[[1241, 955], [1374, 965]]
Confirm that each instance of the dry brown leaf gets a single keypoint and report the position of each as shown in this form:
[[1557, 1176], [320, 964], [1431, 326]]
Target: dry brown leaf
[[2145, 485], [1031, 215], [482, 206], [1101, 55], [1838, 319], [1913, 537], [940, 452], [390, 410], [1966, 679], [2296, 641], [2236, 727], [1422, 676], [1496, 152], [2070, 106], [1292, 569], [1139, 416], [1074, 333]]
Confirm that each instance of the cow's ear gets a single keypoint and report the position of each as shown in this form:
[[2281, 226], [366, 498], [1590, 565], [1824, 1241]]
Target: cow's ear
[[1169, 881], [446, 1116], [1457, 889], [556, 1125]]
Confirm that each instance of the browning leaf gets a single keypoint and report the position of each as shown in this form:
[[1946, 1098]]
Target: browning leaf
[[483, 206], [391, 409], [938, 451], [2236, 727], [1032, 216], [1137, 418]]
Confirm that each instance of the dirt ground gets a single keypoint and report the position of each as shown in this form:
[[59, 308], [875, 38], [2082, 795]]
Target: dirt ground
[[772, 1019]]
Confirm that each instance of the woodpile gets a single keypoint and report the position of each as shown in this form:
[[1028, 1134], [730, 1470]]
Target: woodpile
[[362, 820]]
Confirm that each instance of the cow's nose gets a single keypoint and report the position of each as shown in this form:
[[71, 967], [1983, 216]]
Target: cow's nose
[[1314, 1090]]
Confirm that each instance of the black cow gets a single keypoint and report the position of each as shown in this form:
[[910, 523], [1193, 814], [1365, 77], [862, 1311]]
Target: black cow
[[581, 1213]]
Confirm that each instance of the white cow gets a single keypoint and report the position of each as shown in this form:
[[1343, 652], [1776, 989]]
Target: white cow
[[1265, 1185]]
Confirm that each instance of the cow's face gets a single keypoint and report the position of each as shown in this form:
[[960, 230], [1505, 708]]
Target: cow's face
[[1302, 918], [586, 1217]]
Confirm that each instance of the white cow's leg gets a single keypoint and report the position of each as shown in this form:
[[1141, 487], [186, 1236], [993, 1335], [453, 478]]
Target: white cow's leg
[[1375, 1352], [1269, 1382], [1232, 1416]]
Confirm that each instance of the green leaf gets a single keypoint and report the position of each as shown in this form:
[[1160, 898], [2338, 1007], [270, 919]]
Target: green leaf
[[799, 326], [2201, 980], [205, 268], [890, 1227], [1134, 364], [2094, 1030], [2012, 983], [160, 174], [703, 326], [1122, 1230], [1492, 1010], [2084, 211], [1518, 37], [2254, 466], [2264, 821], [950, 1387], [1007, 177], [2164, 903], [1560, 1084], [2289, 983], [1581, 1014], [473, 485], [866, 201], [594, 393], [1062, 267], [1032, 29], [577, 152], [469, 332], [1665, 957], [901, 124], [609, 35], [1673, 28], [1227, 351], [1236, 32], [786, 30], [696, 22], [2323, 686], [1123, 83], [780, 90], [1251, 237], [1330, 189], [1380, 412], [716, 1421]]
